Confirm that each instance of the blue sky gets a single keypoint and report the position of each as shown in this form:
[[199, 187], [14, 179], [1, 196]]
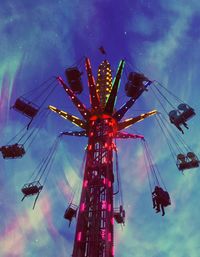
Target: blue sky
[[40, 39]]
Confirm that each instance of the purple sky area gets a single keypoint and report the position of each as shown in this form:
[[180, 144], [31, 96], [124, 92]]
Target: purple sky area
[[39, 39]]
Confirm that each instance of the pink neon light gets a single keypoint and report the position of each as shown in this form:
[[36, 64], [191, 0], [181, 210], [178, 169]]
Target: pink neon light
[[109, 183], [85, 183], [109, 207], [82, 207], [104, 181], [79, 236], [113, 251], [104, 204], [109, 237], [112, 220]]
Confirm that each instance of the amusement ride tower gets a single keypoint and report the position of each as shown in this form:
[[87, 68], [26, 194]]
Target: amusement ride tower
[[102, 124]]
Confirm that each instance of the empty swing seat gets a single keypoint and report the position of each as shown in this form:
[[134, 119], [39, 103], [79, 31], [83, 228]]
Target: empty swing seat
[[12, 151], [135, 84], [119, 215], [32, 188], [26, 107], [188, 161], [73, 76], [70, 212]]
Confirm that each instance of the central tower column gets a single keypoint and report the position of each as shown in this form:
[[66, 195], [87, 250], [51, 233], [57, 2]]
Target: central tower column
[[94, 231]]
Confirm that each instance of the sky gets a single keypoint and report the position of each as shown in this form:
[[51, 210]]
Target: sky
[[39, 39]]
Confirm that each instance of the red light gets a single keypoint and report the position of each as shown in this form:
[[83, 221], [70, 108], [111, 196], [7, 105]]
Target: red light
[[85, 183], [109, 237], [113, 251], [82, 207], [79, 236], [104, 204]]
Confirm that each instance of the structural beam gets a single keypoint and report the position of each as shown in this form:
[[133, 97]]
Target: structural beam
[[94, 98], [131, 121], [124, 135], [75, 120], [118, 115], [82, 133], [80, 106], [124, 108], [113, 95]]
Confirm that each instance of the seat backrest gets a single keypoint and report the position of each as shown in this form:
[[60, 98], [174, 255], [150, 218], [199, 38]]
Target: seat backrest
[[192, 156], [181, 157], [173, 114], [184, 107]]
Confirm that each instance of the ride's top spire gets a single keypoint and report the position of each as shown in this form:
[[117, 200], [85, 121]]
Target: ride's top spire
[[104, 82]]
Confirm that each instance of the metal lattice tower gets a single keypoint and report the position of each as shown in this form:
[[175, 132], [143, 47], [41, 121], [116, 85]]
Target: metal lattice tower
[[101, 124]]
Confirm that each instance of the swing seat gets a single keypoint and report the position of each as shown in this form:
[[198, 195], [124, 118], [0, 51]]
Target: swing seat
[[70, 212], [12, 151], [181, 115], [119, 215], [32, 188], [187, 111], [188, 165], [135, 84], [26, 107], [188, 161], [165, 199], [187, 114], [176, 118], [73, 76]]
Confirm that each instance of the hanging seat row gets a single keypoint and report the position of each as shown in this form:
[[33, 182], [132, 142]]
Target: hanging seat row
[[188, 161], [31, 188], [160, 196], [12, 151], [119, 215], [137, 83], [73, 76], [181, 115], [26, 107], [71, 212]]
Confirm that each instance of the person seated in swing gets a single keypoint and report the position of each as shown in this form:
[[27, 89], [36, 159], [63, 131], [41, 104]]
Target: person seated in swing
[[174, 119], [161, 199]]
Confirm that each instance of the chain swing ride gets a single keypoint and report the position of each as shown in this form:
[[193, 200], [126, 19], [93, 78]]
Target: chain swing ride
[[103, 125]]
